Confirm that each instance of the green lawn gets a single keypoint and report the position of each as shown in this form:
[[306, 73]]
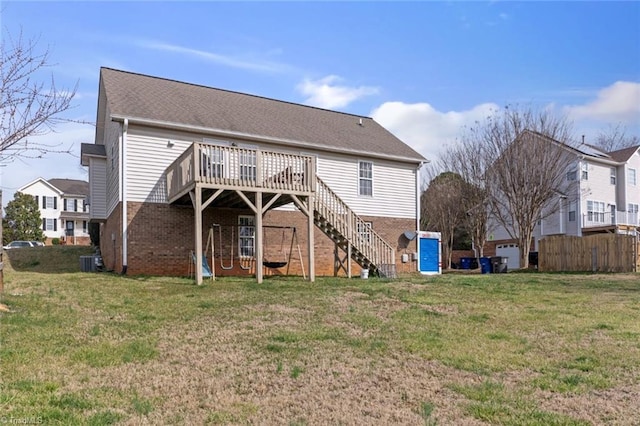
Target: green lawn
[[513, 349]]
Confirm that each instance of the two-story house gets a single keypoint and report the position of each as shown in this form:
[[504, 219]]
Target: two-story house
[[63, 208], [603, 196], [178, 169]]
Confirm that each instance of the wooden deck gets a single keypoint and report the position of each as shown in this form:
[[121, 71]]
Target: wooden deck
[[233, 168]]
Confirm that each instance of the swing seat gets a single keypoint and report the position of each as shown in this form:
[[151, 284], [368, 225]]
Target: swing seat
[[274, 265]]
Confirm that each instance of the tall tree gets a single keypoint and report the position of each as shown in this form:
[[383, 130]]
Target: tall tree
[[440, 210], [528, 155], [464, 159], [615, 138], [22, 219]]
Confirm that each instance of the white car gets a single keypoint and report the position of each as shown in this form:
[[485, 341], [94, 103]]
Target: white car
[[19, 244]]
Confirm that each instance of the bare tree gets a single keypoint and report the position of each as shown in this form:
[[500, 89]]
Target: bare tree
[[441, 209], [28, 107], [528, 153], [615, 138], [464, 159]]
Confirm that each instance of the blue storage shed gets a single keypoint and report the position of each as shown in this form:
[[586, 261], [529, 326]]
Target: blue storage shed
[[429, 252]]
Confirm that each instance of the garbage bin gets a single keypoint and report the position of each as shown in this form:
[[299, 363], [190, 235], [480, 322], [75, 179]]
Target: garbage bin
[[465, 262], [499, 264], [485, 265]]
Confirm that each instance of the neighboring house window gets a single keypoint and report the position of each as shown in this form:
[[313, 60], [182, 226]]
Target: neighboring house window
[[572, 212], [585, 171], [365, 175], [632, 210], [248, 165], [595, 211], [49, 202], [612, 179], [572, 175], [364, 230], [246, 236], [49, 224], [632, 177]]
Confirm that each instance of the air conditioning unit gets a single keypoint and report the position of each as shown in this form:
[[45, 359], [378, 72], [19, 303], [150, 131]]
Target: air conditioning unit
[[88, 264]]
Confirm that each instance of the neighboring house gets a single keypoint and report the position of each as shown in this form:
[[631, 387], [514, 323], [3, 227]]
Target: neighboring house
[[178, 168], [63, 208], [604, 197]]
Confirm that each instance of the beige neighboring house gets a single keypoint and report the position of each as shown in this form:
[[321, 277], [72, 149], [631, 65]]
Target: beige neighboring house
[[250, 182], [63, 208]]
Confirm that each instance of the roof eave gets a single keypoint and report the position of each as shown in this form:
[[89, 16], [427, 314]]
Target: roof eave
[[260, 138]]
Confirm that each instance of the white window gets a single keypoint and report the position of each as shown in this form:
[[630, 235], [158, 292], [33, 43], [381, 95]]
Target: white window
[[612, 179], [49, 202], [365, 178], [585, 171], [49, 225], [213, 162], [248, 165], [632, 177], [246, 236], [364, 230], [632, 211], [595, 211]]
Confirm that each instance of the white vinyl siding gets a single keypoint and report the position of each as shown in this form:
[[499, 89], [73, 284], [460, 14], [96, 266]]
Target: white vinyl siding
[[395, 183], [394, 192], [97, 188], [113, 134]]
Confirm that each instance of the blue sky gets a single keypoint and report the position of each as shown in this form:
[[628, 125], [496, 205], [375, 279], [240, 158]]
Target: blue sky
[[421, 69]]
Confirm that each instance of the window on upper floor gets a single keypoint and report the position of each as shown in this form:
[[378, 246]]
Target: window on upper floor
[[572, 212], [572, 175], [49, 202], [585, 171], [632, 177], [595, 211], [365, 178], [612, 178]]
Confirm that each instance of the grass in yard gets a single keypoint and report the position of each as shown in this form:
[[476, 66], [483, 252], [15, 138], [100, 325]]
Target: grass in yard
[[501, 349]]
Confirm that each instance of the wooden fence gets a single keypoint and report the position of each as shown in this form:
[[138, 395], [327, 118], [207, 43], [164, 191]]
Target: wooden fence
[[593, 253]]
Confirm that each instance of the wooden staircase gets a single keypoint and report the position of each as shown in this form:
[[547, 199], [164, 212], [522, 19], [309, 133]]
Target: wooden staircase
[[352, 234]]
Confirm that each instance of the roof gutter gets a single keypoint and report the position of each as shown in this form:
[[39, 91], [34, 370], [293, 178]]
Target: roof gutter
[[258, 138]]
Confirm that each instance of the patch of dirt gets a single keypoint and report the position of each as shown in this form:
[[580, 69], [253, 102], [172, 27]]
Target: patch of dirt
[[4, 308]]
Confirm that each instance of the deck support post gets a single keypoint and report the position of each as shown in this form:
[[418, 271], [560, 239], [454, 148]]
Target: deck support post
[[197, 209]]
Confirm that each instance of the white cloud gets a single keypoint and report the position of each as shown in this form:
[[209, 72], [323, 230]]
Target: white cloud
[[617, 103], [230, 61], [426, 129], [327, 93]]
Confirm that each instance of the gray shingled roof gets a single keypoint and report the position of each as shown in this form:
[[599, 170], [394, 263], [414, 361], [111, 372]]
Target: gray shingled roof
[[71, 186], [622, 155], [144, 97]]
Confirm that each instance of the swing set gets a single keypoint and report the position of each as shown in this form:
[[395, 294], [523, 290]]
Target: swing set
[[267, 263]]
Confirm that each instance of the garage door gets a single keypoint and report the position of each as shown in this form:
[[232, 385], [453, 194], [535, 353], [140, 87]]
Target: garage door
[[512, 252]]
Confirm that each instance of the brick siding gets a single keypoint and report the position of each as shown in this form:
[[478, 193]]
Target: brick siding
[[161, 241]]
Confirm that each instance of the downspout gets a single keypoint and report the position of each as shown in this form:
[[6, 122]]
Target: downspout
[[123, 188]]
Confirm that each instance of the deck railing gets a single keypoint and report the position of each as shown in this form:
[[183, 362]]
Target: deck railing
[[240, 168], [600, 219], [352, 227]]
